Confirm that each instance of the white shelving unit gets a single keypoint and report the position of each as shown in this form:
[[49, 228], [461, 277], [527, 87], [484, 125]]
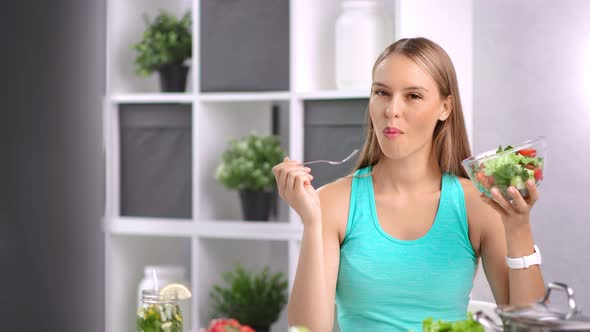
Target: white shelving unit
[[214, 238]]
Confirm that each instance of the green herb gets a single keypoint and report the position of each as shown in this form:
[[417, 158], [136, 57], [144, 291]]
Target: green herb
[[159, 318], [166, 40], [509, 147], [253, 299], [247, 163]]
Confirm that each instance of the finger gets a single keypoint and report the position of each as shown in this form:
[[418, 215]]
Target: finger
[[285, 168], [501, 201], [281, 176], [533, 192], [290, 161], [518, 202], [295, 176], [493, 204], [276, 170], [302, 181]]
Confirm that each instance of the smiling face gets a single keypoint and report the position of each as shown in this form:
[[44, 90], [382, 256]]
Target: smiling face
[[405, 106]]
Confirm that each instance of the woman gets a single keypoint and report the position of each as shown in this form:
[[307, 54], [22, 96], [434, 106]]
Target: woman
[[399, 241]]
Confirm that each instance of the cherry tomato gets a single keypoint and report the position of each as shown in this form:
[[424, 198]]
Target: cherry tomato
[[538, 174], [528, 152]]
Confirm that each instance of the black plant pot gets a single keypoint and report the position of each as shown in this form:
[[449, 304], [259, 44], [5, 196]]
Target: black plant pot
[[256, 205], [261, 328], [173, 77]]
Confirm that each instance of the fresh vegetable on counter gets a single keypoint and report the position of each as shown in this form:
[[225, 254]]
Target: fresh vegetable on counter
[[467, 325]]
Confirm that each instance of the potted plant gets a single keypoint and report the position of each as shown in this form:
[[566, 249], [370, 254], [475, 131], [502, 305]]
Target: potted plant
[[246, 166], [165, 45], [254, 299]]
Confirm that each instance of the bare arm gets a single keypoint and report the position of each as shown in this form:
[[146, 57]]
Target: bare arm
[[311, 303], [506, 231], [312, 299]]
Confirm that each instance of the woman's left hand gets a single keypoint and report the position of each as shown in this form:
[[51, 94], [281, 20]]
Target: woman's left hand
[[517, 212]]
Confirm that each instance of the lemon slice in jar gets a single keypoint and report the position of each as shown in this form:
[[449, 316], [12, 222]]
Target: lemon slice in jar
[[175, 291]]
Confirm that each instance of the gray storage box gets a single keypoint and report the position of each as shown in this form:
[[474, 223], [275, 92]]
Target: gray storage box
[[156, 160], [244, 45], [333, 129]]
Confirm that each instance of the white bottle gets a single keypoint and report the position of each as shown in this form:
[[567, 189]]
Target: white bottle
[[363, 31], [166, 274]]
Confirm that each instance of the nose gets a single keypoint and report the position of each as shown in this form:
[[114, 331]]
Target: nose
[[392, 110]]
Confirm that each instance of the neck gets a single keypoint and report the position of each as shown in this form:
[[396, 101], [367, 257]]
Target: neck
[[414, 174]]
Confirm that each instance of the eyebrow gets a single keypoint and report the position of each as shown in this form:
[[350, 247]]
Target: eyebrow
[[408, 88]]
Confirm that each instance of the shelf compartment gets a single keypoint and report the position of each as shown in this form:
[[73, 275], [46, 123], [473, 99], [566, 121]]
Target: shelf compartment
[[313, 42], [341, 127], [219, 256], [223, 122], [124, 29], [244, 45], [156, 160], [127, 257]]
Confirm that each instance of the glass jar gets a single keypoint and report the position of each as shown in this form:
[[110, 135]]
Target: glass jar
[[166, 274], [363, 30], [158, 314]]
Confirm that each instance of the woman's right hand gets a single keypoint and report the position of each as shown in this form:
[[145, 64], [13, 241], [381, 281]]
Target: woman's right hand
[[294, 185]]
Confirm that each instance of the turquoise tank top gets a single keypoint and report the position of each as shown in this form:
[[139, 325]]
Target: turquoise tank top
[[387, 284]]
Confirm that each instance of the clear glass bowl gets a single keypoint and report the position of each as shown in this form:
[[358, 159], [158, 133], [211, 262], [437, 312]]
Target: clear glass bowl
[[509, 166]]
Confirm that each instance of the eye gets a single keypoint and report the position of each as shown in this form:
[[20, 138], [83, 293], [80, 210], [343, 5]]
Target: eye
[[381, 93], [414, 96]]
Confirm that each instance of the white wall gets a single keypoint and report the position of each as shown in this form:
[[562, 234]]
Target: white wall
[[532, 77]]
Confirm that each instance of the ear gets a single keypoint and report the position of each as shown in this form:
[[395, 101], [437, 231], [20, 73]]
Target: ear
[[446, 108]]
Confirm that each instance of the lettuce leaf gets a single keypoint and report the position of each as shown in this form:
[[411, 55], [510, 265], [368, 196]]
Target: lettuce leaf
[[467, 325]]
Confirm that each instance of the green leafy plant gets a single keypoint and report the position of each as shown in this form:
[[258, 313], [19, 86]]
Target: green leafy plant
[[247, 163], [166, 40], [467, 325], [254, 299]]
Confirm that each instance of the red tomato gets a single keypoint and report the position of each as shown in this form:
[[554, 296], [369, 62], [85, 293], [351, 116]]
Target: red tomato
[[530, 166], [528, 152], [538, 174], [486, 181]]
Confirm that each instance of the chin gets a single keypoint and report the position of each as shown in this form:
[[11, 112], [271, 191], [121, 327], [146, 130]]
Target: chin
[[393, 150], [394, 153]]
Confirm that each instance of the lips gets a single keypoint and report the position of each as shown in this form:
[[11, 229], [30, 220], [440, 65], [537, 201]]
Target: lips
[[392, 132]]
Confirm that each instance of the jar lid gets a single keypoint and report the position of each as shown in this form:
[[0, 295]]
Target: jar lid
[[541, 315], [152, 296], [165, 270]]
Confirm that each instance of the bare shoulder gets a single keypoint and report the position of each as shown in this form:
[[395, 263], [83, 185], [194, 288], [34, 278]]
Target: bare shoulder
[[481, 217], [335, 201]]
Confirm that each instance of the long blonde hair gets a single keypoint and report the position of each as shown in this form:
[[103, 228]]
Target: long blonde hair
[[450, 142]]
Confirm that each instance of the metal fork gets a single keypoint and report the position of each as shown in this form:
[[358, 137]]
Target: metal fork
[[333, 162]]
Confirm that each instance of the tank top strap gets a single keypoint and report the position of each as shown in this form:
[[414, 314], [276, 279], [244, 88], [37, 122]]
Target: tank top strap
[[360, 195]]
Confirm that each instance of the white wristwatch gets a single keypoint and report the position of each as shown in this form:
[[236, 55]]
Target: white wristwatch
[[525, 261]]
